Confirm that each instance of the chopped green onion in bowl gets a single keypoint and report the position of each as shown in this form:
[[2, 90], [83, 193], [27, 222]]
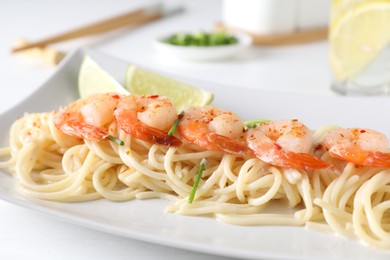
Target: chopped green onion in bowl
[[206, 46], [203, 39]]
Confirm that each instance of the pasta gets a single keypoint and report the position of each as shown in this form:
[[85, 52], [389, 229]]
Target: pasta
[[353, 201]]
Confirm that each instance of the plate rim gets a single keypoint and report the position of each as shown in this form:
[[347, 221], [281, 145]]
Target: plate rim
[[134, 234]]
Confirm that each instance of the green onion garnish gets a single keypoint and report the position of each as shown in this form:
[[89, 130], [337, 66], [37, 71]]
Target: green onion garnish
[[174, 126], [115, 140], [254, 123], [197, 180], [201, 39]]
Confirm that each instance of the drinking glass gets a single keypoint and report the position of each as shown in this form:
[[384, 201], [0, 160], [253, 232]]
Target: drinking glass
[[359, 39]]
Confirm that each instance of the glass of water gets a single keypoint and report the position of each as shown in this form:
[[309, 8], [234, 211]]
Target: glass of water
[[359, 39]]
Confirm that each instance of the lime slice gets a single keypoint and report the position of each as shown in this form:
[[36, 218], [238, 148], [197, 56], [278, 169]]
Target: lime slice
[[358, 35], [93, 79], [183, 96]]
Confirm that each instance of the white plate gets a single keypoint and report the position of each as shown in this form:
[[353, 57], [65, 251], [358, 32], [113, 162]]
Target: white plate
[[203, 53], [146, 220]]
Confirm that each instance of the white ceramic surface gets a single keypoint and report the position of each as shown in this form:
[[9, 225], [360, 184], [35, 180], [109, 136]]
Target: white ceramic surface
[[146, 220], [200, 53]]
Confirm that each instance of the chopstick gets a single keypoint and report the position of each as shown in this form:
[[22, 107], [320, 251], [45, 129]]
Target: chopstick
[[135, 17]]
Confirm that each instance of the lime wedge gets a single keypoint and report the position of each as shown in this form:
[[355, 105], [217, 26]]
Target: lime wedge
[[93, 79], [183, 96]]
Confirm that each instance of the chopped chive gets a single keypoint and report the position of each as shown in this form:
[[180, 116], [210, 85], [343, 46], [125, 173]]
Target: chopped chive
[[174, 126], [201, 39], [197, 180], [254, 123], [115, 140]]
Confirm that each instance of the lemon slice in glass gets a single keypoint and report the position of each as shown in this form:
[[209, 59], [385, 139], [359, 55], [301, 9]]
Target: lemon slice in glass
[[183, 96], [357, 36], [93, 79]]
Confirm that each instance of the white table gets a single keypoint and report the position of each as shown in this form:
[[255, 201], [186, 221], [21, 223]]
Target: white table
[[26, 234]]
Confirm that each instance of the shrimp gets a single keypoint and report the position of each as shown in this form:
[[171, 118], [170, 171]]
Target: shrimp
[[213, 129], [364, 147], [284, 143], [86, 118], [147, 118]]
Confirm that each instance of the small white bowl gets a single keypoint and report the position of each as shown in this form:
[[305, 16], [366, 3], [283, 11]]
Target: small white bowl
[[203, 52]]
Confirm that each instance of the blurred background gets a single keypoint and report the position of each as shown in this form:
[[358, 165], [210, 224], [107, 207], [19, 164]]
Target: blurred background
[[304, 65]]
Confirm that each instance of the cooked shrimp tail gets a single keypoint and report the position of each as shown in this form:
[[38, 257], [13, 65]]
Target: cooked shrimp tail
[[80, 129], [213, 129], [364, 147], [279, 157], [87, 118], [300, 161], [146, 118], [284, 143], [227, 144], [361, 157], [150, 134]]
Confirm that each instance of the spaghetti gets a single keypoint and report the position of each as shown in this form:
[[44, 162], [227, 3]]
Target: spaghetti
[[354, 201]]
